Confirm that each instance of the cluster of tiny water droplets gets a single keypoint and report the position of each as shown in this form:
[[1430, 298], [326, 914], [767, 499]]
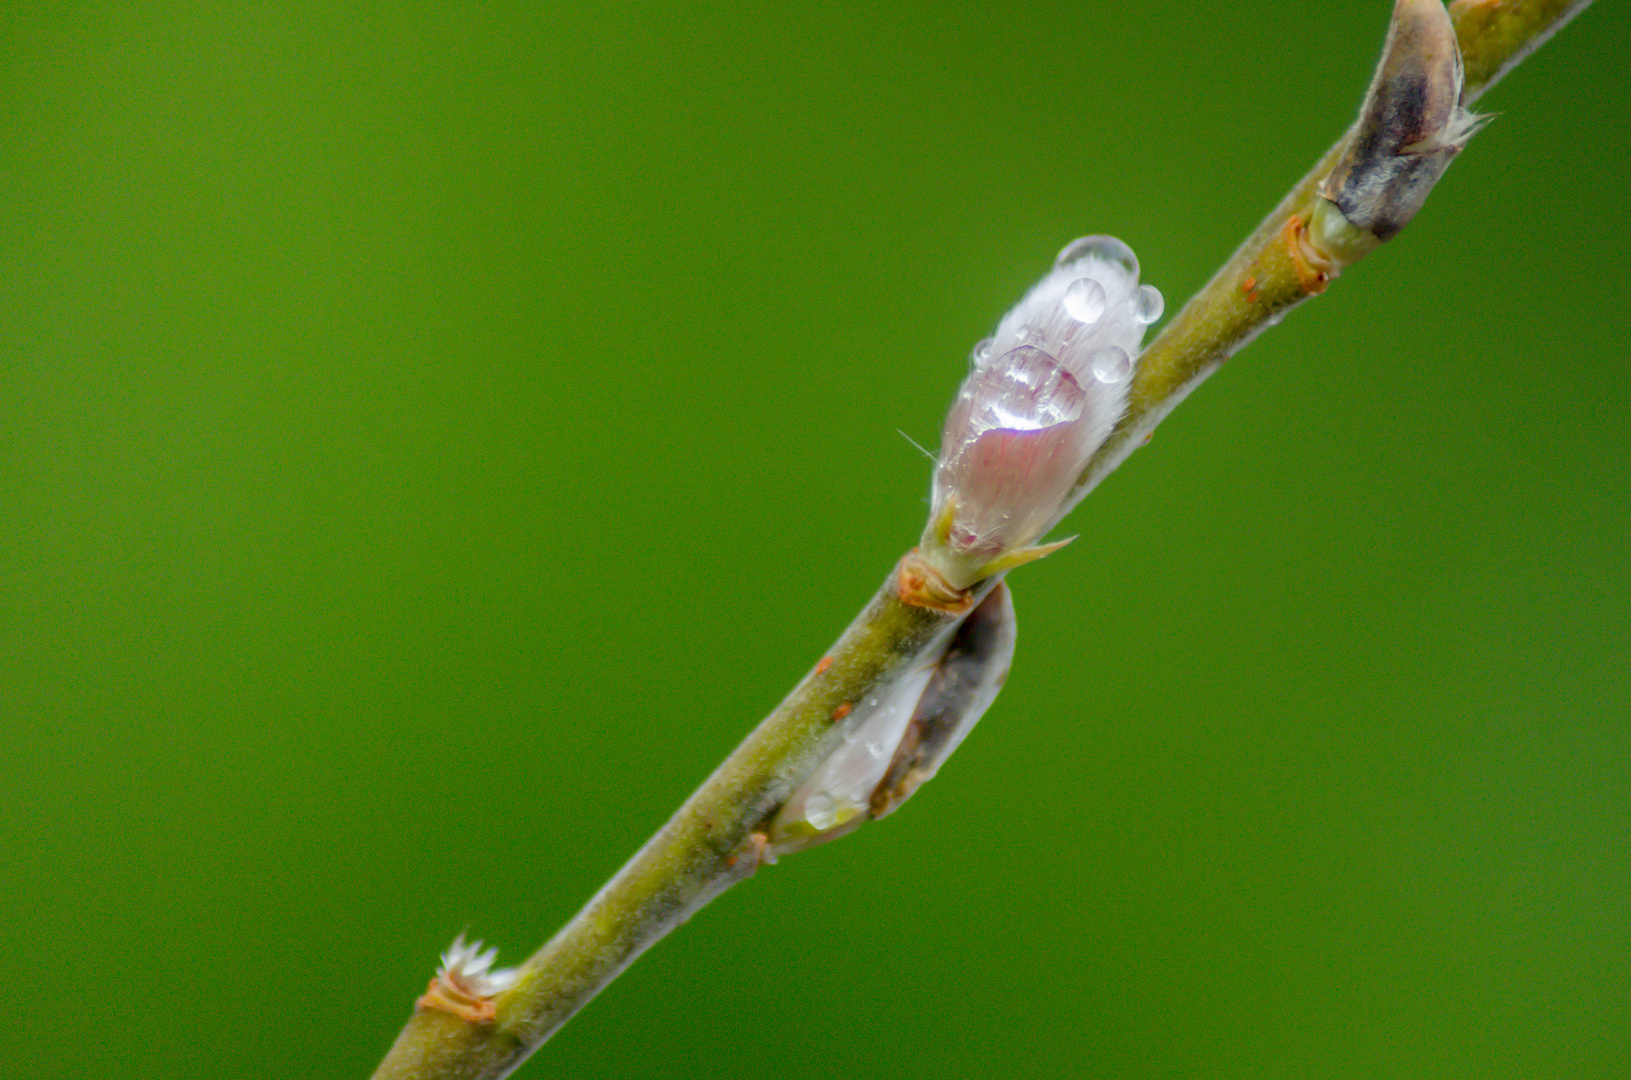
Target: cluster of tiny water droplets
[[1087, 307], [1043, 362]]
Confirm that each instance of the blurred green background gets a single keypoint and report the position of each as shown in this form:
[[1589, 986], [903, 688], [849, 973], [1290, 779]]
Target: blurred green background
[[431, 435]]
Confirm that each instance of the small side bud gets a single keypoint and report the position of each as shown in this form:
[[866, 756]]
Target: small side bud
[[1410, 127], [466, 982], [1045, 393], [918, 583]]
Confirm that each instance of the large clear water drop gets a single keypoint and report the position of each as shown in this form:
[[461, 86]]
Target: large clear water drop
[[1103, 248], [820, 811], [1148, 303], [1030, 392]]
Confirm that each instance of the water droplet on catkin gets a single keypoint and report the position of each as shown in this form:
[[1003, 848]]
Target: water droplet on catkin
[[1105, 249], [981, 353], [1085, 300], [1110, 365], [1148, 303], [1027, 391], [820, 811]]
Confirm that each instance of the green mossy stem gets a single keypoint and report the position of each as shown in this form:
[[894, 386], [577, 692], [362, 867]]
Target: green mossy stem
[[1496, 35]]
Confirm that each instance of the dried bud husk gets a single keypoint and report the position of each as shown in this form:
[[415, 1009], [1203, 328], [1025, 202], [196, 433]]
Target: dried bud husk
[[466, 983], [1410, 127]]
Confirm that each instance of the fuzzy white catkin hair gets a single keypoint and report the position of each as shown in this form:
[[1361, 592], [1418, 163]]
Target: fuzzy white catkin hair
[[469, 970], [1044, 395]]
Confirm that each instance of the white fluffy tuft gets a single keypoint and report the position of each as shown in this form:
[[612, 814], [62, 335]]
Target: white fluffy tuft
[[469, 970]]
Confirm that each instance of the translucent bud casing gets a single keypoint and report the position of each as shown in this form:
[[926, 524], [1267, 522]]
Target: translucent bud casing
[[901, 738], [970, 674], [836, 797]]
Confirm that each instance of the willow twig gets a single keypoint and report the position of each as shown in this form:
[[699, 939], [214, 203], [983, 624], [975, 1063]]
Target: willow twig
[[473, 1029]]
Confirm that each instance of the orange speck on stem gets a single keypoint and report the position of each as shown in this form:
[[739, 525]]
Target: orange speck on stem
[[826, 662], [842, 711]]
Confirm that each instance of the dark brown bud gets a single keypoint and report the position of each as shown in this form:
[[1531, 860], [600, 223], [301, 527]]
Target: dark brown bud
[[1410, 125]]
